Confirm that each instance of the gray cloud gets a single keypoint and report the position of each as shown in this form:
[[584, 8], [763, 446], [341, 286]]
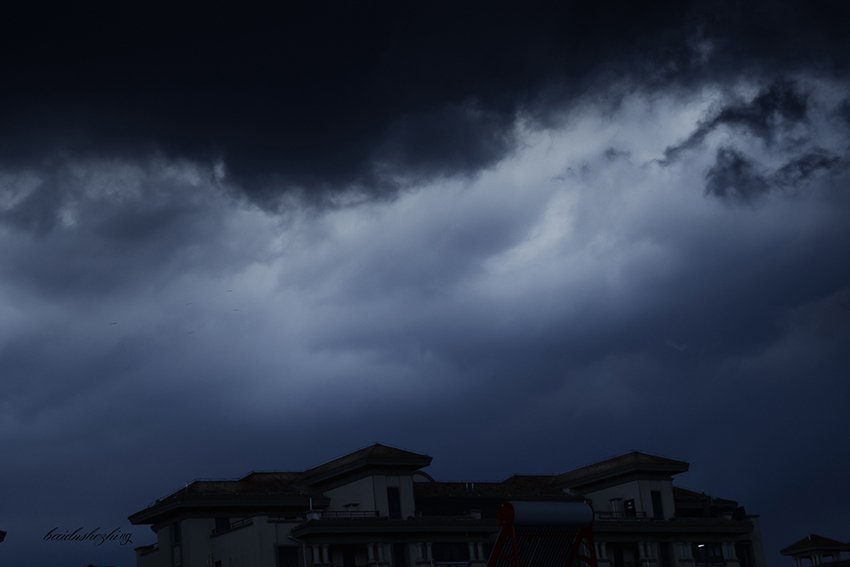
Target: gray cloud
[[776, 109], [805, 167], [738, 178], [734, 176]]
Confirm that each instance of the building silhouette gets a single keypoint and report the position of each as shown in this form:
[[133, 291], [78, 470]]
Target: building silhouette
[[376, 507], [815, 550]]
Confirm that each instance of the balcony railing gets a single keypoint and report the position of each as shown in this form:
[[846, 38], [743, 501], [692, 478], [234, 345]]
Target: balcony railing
[[233, 526], [350, 514], [621, 516]]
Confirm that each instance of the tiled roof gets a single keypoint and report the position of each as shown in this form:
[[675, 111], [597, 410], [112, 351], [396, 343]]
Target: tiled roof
[[264, 489], [814, 542], [376, 454], [617, 466], [532, 484], [517, 485], [253, 483], [840, 563]]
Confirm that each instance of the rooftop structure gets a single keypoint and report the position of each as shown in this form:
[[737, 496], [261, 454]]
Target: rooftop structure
[[376, 507], [815, 550]]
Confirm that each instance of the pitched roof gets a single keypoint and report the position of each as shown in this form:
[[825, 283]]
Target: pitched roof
[[619, 466], [839, 563], [280, 488], [265, 489], [814, 542], [376, 455], [535, 486], [255, 482]]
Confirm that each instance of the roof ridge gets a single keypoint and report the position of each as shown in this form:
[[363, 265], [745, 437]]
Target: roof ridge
[[373, 451], [815, 541]]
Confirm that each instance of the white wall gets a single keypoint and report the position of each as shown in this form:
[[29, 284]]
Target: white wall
[[360, 491], [249, 546], [640, 491]]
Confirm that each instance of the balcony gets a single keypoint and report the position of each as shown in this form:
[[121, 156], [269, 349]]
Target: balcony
[[608, 516], [230, 526], [349, 514]]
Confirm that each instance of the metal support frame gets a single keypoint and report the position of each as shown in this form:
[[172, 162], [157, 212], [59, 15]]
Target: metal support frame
[[542, 545]]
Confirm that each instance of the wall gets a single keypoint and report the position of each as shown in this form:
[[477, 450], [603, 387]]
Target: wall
[[249, 546], [640, 491], [360, 491]]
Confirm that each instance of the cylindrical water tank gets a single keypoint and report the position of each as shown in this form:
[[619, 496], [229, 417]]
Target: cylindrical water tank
[[545, 513]]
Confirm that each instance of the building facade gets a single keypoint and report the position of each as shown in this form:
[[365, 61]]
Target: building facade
[[376, 507]]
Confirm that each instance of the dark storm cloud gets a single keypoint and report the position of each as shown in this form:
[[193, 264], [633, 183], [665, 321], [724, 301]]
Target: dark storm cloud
[[804, 167], [843, 111], [779, 118], [84, 231], [317, 97], [778, 108], [613, 153], [735, 176], [37, 210]]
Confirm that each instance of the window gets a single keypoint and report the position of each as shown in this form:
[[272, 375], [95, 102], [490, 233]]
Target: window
[[349, 554], [664, 554], [175, 533], [222, 524], [657, 507], [629, 508], [399, 556], [450, 553], [617, 553], [394, 502], [744, 553], [707, 555], [287, 556]]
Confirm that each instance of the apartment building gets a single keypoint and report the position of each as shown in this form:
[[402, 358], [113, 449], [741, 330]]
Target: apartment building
[[376, 507]]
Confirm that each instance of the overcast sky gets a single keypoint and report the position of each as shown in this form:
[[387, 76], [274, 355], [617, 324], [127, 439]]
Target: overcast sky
[[518, 238]]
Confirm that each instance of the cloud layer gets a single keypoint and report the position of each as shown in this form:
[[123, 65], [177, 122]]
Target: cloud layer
[[589, 282], [313, 99], [519, 240]]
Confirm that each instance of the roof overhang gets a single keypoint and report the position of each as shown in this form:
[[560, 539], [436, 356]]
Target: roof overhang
[[170, 508]]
